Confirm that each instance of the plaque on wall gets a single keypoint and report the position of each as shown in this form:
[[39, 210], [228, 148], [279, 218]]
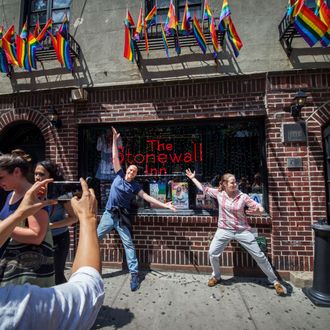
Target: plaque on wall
[[294, 132]]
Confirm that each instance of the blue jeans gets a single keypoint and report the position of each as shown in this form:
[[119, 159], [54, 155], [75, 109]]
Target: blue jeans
[[108, 223]]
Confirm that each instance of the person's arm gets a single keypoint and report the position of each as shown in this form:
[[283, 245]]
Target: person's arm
[[29, 205], [192, 177], [115, 155], [254, 208], [88, 251], [36, 232], [150, 199], [69, 220]]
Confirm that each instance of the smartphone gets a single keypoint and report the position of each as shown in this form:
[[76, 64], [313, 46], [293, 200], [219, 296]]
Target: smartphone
[[63, 190]]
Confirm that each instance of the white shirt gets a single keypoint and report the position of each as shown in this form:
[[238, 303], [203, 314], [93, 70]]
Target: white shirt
[[72, 305]]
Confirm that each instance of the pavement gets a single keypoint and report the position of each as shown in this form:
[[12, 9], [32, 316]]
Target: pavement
[[169, 300]]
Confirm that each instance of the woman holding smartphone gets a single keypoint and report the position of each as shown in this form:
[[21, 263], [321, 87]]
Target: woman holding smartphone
[[61, 216], [28, 254]]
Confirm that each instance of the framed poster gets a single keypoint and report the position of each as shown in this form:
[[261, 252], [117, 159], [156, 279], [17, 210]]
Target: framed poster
[[180, 197]]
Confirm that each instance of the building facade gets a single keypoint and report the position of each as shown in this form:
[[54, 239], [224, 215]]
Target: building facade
[[229, 114]]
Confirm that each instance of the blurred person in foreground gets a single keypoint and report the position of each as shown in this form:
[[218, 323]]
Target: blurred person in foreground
[[72, 305]]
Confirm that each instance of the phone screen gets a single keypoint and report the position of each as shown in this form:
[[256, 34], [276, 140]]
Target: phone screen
[[63, 190]]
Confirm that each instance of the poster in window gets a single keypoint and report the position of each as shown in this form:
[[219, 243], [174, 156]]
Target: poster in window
[[204, 201], [157, 190], [180, 197], [257, 198]]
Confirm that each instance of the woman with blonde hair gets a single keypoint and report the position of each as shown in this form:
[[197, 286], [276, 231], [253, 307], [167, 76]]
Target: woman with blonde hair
[[28, 257], [233, 224]]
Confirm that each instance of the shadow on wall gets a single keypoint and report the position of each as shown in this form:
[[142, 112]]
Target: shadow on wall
[[190, 65], [52, 77]]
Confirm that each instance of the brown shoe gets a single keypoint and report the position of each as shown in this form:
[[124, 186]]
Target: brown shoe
[[213, 281], [279, 289]]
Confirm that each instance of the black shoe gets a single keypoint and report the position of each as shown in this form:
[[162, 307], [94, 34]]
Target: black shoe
[[135, 284]]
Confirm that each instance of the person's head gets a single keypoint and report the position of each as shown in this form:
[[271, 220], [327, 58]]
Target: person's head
[[228, 183], [131, 173], [46, 169], [15, 169], [178, 190]]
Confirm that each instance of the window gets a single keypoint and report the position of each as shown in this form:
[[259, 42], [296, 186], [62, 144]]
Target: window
[[195, 7], [42, 10], [312, 3], [163, 152]]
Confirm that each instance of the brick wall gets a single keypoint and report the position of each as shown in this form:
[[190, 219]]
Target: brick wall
[[296, 197]]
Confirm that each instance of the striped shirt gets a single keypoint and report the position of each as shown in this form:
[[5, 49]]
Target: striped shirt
[[231, 210]]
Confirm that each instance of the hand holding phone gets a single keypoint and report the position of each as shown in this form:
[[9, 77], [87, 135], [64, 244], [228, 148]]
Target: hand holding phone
[[64, 190]]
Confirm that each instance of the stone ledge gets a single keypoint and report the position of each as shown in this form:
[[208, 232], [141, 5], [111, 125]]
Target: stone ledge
[[301, 279]]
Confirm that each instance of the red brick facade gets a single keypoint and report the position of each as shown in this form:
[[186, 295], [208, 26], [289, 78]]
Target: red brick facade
[[297, 198]]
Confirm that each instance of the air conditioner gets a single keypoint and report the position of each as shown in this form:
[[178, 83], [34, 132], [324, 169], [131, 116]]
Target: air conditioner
[[79, 94]]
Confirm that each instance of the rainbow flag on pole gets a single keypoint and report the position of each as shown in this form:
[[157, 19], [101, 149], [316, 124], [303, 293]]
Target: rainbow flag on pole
[[32, 46], [225, 12], [63, 48], [185, 25], [199, 36], [164, 40], [128, 41], [309, 26], [46, 29], [149, 20], [323, 13], [4, 67], [207, 11], [9, 47], [234, 39], [214, 37], [138, 29]]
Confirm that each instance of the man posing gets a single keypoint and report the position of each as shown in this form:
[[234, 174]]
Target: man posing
[[117, 211]]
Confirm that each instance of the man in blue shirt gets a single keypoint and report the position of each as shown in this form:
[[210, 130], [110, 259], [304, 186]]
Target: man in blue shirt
[[117, 211]]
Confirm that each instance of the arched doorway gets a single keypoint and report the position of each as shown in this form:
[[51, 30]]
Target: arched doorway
[[23, 135]]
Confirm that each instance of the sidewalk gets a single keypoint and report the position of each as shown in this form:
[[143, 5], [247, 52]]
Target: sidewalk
[[184, 301]]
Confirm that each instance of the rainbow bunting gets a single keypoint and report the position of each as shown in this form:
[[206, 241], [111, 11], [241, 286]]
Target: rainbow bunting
[[128, 45], [225, 12], [64, 27], [198, 33], [47, 28], [150, 19], [309, 26], [207, 11], [36, 30], [185, 25], [214, 36], [138, 29], [32, 46], [9, 47], [164, 40], [234, 39]]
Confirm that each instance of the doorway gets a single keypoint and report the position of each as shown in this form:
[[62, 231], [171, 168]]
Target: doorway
[[326, 143]]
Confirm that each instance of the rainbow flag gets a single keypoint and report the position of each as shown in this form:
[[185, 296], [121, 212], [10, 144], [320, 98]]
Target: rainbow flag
[[225, 12], [24, 32], [150, 19], [21, 53], [128, 45], [214, 36], [309, 26], [234, 39], [36, 30], [47, 28], [323, 13], [9, 47], [32, 46], [64, 27], [198, 33], [164, 40], [185, 25], [63, 48], [171, 22], [138, 29], [207, 11], [4, 67]]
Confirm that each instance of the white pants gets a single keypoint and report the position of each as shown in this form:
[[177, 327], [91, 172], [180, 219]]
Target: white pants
[[248, 241]]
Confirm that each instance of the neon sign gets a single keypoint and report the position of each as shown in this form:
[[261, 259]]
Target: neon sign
[[161, 153]]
